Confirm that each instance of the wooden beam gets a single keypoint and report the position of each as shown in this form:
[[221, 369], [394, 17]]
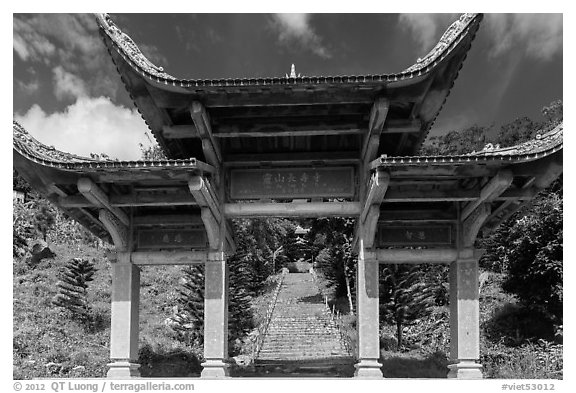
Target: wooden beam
[[496, 186], [270, 130], [432, 255], [402, 126], [179, 198], [312, 209], [302, 158], [168, 257], [98, 198], [167, 220], [284, 133], [376, 124], [202, 123], [552, 171], [180, 132], [430, 195]]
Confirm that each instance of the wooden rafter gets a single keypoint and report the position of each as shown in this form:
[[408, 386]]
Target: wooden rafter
[[204, 129], [376, 125], [98, 198], [495, 186]]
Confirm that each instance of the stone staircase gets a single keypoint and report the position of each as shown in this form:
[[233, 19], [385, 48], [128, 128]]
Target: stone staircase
[[301, 335]]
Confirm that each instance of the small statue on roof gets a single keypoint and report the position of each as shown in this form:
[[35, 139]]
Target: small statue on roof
[[293, 72]]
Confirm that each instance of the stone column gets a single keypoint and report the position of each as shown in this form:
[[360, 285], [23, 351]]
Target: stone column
[[125, 314], [367, 307], [215, 317], [464, 319]]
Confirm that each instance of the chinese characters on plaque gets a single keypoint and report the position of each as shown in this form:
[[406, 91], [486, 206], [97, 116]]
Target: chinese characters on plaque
[[171, 238], [292, 183], [414, 235]]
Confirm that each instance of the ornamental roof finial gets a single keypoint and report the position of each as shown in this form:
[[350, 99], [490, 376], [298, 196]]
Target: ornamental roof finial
[[292, 72]]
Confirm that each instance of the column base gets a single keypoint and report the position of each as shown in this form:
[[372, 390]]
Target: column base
[[215, 368], [123, 370], [465, 369], [368, 369]]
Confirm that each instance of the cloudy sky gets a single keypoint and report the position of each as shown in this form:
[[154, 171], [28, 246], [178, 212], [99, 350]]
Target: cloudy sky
[[67, 92]]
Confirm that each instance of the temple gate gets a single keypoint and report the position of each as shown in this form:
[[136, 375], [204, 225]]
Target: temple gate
[[340, 146]]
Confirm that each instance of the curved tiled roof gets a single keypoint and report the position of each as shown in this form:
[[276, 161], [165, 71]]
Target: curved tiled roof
[[466, 24], [542, 146], [37, 152]]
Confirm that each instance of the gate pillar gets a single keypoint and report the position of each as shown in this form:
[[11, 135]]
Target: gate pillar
[[367, 306], [464, 319], [215, 317], [124, 327]]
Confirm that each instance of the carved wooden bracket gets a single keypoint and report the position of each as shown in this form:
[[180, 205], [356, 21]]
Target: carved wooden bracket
[[217, 229], [368, 220], [117, 230], [98, 198], [496, 186], [472, 224]]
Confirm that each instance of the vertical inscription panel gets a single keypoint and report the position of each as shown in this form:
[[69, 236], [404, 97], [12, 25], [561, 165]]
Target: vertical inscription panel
[[328, 182]]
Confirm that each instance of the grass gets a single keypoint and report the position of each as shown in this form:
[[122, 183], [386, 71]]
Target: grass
[[48, 342]]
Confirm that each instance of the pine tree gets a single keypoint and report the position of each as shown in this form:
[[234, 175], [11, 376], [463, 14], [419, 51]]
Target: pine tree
[[404, 296], [73, 285], [188, 316], [240, 317]]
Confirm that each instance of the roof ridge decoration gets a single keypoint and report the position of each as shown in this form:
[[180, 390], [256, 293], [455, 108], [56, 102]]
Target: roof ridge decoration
[[541, 143], [36, 151], [541, 146], [28, 146], [449, 36], [128, 48]]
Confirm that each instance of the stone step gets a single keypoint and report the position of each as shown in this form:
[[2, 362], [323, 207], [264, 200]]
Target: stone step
[[301, 327]]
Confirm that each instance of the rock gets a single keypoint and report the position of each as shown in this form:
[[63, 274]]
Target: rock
[[242, 360], [40, 251], [79, 368]]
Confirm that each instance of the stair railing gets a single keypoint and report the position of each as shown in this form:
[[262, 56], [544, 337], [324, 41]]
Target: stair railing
[[263, 328]]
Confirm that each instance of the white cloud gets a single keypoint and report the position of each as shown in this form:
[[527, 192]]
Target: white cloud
[[91, 125], [296, 28], [538, 35], [70, 41], [29, 43], [426, 28], [67, 84]]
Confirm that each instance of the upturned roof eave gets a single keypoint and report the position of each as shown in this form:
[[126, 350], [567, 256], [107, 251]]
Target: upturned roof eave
[[118, 41]]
